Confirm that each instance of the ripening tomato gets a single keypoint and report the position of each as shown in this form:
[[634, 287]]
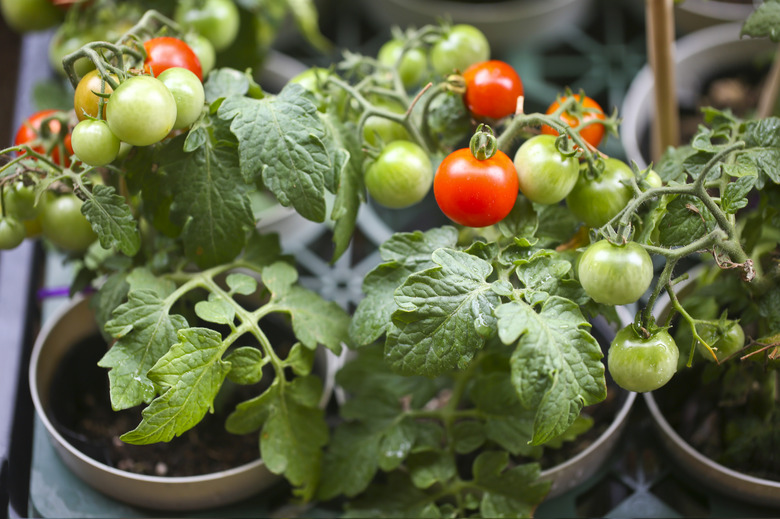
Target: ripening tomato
[[166, 52], [492, 89], [589, 111], [29, 133]]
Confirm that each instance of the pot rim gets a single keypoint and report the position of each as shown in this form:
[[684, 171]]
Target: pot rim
[[41, 413]]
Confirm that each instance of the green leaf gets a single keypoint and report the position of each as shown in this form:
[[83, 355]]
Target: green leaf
[[211, 200], [397, 498], [111, 219], [431, 467], [514, 492], [445, 314], [764, 21], [468, 436], [250, 415], [241, 284], [262, 249], [141, 278], [404, 254], [314, 320], [350, 462], [144, 332], [300, 359], [670, 166], [521, 222], [735, 194], [225, 82], [190, 375], [216, 310], [292, 439], [548, 272], [555, 222], [556, 365], [246, 365], [761, 138], [111, 294], [686, 220], [396, 444], [280, 140]]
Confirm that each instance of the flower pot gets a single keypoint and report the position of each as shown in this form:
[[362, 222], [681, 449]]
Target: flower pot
[[699, 57], [70, 325], [745, 487], [506, 24]]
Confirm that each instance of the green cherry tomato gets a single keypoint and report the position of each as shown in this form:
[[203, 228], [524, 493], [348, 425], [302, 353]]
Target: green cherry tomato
[[412, 66], [473, 192], [459, 48], [378, 129], [20, 201], [642, 364], [94, 144], [64, 225], [596, 201], [217, 20], [30, 15], [85, 101], [204, 50], [12, 232], [401, 176], [546, 176], [725, 338], [64, 43], [615, 274], [141, 111], [653, 179], [188, 92]]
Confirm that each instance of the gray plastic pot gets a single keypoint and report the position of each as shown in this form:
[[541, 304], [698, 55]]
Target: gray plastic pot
[[506, 24], [699, 57], [735, 484], [74, 322]]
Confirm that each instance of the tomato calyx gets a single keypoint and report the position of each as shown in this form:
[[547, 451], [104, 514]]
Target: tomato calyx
[[483, 143]]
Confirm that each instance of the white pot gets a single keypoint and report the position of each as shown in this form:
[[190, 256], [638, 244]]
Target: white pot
[[74, 322], [699, 57], [506, 24]]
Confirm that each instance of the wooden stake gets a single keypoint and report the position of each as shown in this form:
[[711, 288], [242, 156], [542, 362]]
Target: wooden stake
[[660, 50]]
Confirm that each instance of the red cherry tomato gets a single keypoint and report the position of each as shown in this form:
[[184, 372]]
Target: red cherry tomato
[[167, 52], [474, 192], [492, 89], [28, 133], [593, 133]]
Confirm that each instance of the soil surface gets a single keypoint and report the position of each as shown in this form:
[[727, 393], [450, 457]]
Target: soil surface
[[83, 414]]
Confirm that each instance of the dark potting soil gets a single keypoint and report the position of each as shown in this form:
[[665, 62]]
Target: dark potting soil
[[81, 411], [724, 429]]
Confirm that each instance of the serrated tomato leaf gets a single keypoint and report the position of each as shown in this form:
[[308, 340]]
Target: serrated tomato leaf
[[112, 221]]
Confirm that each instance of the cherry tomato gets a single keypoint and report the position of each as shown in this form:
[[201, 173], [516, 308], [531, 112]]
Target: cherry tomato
[[30, 15], [412, 66], [492, 89], [141, 111], [596, 201], [64, 225], [546, 176], [12, 232], [204, 50], [28, 133], [64, 43], [165, 52], [591, 110], [725, 338], [85, 102], [615, 274], [94, 144], [461, 46], [653, 179], [217, 20], [401, 176], [642, 364], [378, 129], [188, 92], [475, 193], [20, 201]]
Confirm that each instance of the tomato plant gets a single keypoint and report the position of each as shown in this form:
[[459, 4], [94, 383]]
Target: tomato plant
[[597, 199], [188, 93], [217, 20], [94, 143], [615, 274], [492, 89], [85, 100], [141, 111], [546, 175], [642, 364], [378, 129], [585, 112], [166, 52], [63, 224], [401, 176], [461, 46], [725, 337], [474, 192], [30, 133]]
